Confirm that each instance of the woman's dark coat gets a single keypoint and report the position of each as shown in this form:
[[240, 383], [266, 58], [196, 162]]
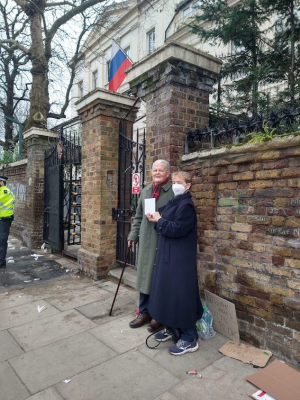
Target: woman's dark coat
[[174, 298]]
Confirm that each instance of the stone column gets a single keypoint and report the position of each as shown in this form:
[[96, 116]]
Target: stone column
[[101, 112], [36, 141], [175, 81]]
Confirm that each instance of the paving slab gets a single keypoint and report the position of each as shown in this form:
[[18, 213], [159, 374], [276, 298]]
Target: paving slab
[[14, 299], [119, 336], [61, 360], [76, 298], [48, 394], [98, 311], [168, 396], [224, 379], [111, 286], [129, 376], [8, 346], [206, 354], [11, 388], [16, 316], [45, 290], [50, 329]]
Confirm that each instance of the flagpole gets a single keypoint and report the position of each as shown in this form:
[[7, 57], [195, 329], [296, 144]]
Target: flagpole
[[126, 55]]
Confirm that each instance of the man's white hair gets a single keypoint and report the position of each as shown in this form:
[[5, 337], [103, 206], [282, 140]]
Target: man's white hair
[[167, 165]]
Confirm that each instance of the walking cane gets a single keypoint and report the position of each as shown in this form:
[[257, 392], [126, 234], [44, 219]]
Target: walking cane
[[120, 280]]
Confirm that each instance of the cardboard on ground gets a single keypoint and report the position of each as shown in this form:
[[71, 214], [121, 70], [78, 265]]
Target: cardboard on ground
[[245, 353], [224, 316], [278, 380]]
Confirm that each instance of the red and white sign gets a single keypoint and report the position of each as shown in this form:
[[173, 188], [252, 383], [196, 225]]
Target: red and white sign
[[136, 182]]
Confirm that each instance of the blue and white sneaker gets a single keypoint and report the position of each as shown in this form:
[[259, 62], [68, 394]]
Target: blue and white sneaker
[[182, 347], [163, 336]]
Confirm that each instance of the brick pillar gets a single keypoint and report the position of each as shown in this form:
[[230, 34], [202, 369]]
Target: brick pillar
[[101, 112], [36, 141], [175, 81]]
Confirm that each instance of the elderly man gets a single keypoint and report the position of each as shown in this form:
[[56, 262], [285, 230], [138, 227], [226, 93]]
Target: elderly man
[[161, 190]]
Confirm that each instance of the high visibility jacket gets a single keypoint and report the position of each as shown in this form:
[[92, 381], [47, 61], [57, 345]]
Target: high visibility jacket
[[7, 200]]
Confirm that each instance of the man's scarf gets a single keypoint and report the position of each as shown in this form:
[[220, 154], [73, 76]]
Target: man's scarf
[[157, 189]]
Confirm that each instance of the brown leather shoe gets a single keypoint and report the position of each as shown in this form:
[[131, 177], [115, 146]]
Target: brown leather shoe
[[153, 326], [140, 320]]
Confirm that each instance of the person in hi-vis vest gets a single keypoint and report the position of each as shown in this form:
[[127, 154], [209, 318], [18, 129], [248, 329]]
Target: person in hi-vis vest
[[7, 200]]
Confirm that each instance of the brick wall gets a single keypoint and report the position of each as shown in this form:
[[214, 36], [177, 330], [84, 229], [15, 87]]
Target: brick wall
[[248, 204], [175, 82], [175, 103], [101, 112]]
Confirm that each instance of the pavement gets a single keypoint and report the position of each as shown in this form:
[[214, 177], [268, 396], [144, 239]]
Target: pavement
[[57, 340]]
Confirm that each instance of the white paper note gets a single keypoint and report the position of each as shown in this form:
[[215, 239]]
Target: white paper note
[[149, 206]]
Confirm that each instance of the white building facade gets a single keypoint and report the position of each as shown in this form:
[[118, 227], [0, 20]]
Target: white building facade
[[139, 27]]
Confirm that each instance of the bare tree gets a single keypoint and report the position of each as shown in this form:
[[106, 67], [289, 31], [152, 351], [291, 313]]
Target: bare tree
[[40, 36]]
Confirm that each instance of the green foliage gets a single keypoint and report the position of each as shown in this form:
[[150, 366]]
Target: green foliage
[[8, 156], [258, 137], [264, 38]]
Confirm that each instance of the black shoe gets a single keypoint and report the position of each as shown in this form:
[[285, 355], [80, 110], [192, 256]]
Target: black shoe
[[3, 265]]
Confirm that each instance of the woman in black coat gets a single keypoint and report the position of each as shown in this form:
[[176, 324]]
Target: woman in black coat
[[175, 300]]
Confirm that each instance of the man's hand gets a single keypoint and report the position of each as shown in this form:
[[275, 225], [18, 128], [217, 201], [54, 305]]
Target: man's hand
[[130, 243]]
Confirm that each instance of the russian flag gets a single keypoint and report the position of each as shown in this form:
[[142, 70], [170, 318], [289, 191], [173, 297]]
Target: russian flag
[[118, 64]]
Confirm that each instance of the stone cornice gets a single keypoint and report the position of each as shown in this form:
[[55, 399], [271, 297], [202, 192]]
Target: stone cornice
[[277, 143]]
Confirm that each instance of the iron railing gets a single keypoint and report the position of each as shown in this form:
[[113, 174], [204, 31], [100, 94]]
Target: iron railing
[[235, 131]]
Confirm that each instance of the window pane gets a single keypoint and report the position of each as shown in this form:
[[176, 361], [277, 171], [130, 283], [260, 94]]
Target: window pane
[[151, 41], [80, 89], [186, 11], [127, 51], [108, 69], [95, 79]]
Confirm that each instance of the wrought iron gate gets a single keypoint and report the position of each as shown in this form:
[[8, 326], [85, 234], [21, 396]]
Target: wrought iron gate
[[132, 157], [62, 192]]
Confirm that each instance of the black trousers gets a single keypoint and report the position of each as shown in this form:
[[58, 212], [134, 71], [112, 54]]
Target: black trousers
[[4, 233]]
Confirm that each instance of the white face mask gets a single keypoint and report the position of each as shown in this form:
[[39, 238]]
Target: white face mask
[[178, 189]]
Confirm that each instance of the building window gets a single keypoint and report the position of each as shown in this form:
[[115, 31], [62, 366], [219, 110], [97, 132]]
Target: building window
[[186, 11], [108, 69], [127, 51], [151, 41], [95, 79], [80, 89]]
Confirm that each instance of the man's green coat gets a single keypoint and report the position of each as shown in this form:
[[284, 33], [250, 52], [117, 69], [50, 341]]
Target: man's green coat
[[143, 231]]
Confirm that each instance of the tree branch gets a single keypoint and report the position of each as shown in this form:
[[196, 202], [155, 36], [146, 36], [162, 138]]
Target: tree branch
[[14, 45], [61, 3], [69, 15]]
